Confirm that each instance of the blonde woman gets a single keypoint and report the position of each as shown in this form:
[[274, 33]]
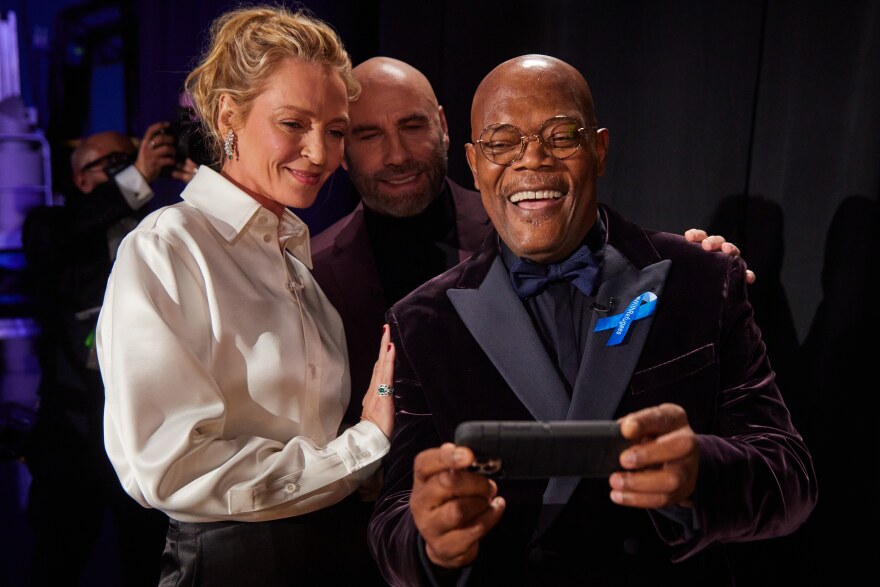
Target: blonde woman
[[224, 364]]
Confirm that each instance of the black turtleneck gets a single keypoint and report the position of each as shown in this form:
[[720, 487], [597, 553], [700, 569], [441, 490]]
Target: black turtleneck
[[410, 251]]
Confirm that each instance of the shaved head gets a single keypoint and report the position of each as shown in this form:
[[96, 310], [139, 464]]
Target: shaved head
[[541, 205], [542, 75], [97, 145], [92, 149], [386, 73], [397, 146]]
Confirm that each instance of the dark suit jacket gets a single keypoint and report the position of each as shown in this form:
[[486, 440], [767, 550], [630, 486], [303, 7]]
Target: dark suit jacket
[[345, 268], [467, 350], [69, 258], [68, 262]]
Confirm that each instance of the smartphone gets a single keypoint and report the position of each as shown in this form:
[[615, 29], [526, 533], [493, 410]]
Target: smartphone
[[511, 449]]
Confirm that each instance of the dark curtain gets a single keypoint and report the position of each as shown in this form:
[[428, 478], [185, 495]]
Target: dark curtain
[[720, 113]]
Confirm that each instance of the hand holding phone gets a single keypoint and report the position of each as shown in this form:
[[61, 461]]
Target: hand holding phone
[[534, 450]]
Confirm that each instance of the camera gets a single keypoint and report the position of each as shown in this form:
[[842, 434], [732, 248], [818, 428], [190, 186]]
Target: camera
[[189, 139]]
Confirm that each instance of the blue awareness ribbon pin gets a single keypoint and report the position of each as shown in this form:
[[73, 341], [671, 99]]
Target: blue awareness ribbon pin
[[642, 306]]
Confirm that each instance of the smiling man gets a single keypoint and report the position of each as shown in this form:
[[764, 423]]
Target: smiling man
[[571, 312], [413, 222]]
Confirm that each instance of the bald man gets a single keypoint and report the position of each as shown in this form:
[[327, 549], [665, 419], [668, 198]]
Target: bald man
[[568, 311], [69, 251], [110, 154], [413, 221]]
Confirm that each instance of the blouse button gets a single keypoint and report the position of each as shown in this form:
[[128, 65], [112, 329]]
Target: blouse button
[[262, 220], [290, 487], [365, 454], [267, 238]]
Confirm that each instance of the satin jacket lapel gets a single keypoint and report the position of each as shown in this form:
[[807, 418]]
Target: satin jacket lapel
[[496, 318], [605, 371]]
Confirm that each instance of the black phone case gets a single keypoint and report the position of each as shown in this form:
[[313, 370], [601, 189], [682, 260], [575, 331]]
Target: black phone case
[[534, 450]]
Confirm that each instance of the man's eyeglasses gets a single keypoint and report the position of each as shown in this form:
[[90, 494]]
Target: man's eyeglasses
[[112, 160], [560, 137]]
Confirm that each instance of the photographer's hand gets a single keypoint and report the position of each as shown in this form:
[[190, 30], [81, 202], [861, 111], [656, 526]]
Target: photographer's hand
[[185, 171], [155, 151]]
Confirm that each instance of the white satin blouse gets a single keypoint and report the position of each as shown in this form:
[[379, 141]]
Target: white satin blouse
[[225, 366]]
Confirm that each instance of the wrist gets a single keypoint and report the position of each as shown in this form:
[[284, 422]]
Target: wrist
[[115, 168], [141, 168]]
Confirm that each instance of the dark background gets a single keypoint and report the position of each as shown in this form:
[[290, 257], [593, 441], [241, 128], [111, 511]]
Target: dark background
[[756, 118], [705, 101]]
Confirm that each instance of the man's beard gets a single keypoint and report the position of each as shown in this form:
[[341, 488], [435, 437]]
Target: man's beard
[[403, 204]]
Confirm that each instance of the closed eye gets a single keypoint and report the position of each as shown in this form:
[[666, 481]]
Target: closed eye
[[500, 146], [366, 136], [336, 133], [413, 127], [565, 139]]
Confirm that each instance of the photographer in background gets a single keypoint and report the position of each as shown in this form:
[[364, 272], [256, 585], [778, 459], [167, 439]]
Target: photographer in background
[[189, 135], [69, 251]]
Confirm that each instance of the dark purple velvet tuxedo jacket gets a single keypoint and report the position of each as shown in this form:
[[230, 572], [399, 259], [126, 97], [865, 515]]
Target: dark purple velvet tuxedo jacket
[[345, 268], [467, 350]]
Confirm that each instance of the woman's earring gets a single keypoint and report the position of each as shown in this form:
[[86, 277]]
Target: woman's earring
[[229, 144]]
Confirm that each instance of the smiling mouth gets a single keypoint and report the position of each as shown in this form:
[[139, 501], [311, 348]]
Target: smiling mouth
[[400, 179], [535, 196], [305, 177]]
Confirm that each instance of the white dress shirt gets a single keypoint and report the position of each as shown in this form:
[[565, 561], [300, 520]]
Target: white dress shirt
[[134, 187], [225, 366]]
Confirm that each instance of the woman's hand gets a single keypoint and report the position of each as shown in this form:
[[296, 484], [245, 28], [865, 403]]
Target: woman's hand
[[379, 409]]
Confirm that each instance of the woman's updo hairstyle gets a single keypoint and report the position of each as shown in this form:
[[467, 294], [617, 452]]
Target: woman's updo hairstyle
[[245, 47]]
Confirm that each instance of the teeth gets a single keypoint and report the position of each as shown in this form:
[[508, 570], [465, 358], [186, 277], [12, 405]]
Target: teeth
[[539, 195]]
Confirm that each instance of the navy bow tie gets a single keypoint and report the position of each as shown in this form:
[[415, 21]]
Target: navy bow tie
[[580, 268]]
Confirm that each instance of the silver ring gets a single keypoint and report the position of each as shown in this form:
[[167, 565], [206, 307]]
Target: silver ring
[[152, 143], [383, 389]]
